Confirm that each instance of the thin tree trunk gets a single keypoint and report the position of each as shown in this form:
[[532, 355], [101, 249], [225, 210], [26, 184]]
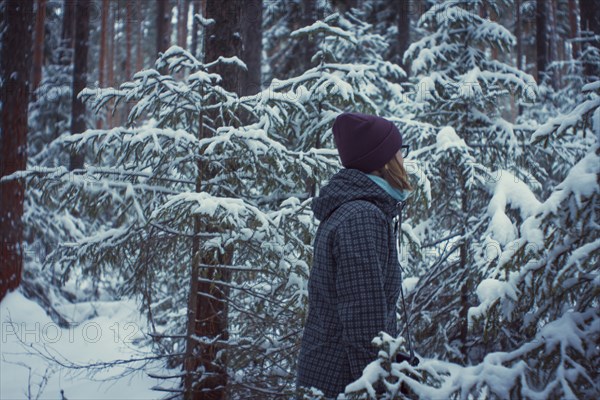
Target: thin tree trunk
[[110, 62], [68, 26], [163, 17], [103, 35], [15, 67], [38, 51], [574, 27], [252, 38], [590, 28], [553, 42], [78, 123], [541, 39], [195, 27], [128, 22], [102, 67], [519, 35], [403, 37], [465, 261], [182, 20], [309, 16], [139, 36]]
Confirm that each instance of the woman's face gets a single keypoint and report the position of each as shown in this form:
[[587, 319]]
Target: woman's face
[[399, 157]]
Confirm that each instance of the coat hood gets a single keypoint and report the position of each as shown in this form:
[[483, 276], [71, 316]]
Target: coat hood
[[348, 185]]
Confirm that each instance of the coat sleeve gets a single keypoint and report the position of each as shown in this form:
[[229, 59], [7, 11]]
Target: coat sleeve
[[360, 251]]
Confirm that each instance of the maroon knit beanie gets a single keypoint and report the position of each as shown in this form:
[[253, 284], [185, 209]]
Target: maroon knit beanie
[[365, 142]]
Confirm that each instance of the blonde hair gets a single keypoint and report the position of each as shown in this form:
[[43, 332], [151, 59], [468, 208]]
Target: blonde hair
[[395, 174]]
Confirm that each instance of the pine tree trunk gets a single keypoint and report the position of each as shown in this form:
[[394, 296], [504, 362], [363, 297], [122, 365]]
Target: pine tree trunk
[[102, 61], [195, 27], [590, 28], [207, 304], [466, 287], [308, 46], [139, 36], [252, 38], [541, 39], [110, 62], [223, 39], [554, 52], [38, 50], [519, 35], [15, 67], [103, 35], [68, 26], [163, 16], [574, 27], [128, 22], [403, 38], [182, 20], [78, 123]]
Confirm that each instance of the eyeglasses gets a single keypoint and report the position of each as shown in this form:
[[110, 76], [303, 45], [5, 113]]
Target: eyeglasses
[[405, 150]]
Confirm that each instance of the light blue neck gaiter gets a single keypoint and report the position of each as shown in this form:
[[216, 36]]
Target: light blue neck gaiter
[[398, 194]]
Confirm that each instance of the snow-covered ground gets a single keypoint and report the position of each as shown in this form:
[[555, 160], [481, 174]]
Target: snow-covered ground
[[105, 331]]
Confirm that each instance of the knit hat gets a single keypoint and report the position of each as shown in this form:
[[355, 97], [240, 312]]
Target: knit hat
[[365, 142]]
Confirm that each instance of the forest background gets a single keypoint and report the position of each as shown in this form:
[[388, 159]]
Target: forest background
[[157, 164]]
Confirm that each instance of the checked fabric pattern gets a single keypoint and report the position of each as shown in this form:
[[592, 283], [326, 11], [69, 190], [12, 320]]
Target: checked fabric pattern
[[354, 283]]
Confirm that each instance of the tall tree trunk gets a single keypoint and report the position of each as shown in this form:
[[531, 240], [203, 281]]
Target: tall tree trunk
[[252, 46], [128, 22], [467, 286], [78, 124], [139, 36], [163, 18], [590, 28], [195, 27], [15, 67], [574, 27], [553, 42], [38, 50], [403, 38], [182, 21], [110, 62], [68, 27], [308, 46], [541, 38], [223, 38], [207, 305], [103, 35], [519, 35]]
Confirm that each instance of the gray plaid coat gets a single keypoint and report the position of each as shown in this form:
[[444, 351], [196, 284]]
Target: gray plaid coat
[[354, 283]]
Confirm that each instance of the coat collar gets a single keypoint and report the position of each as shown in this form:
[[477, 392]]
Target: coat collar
[[348, 185]]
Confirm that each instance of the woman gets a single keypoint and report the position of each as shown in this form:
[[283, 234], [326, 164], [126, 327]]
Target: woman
[[355, 279]]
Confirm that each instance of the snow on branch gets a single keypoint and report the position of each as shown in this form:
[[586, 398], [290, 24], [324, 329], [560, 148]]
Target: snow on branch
[[322, 27]]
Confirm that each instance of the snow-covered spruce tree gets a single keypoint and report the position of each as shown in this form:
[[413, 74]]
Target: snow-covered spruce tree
[[350, 74], [459, 88], [539, 303], [553, 102], [194, 199], [538, 315]]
